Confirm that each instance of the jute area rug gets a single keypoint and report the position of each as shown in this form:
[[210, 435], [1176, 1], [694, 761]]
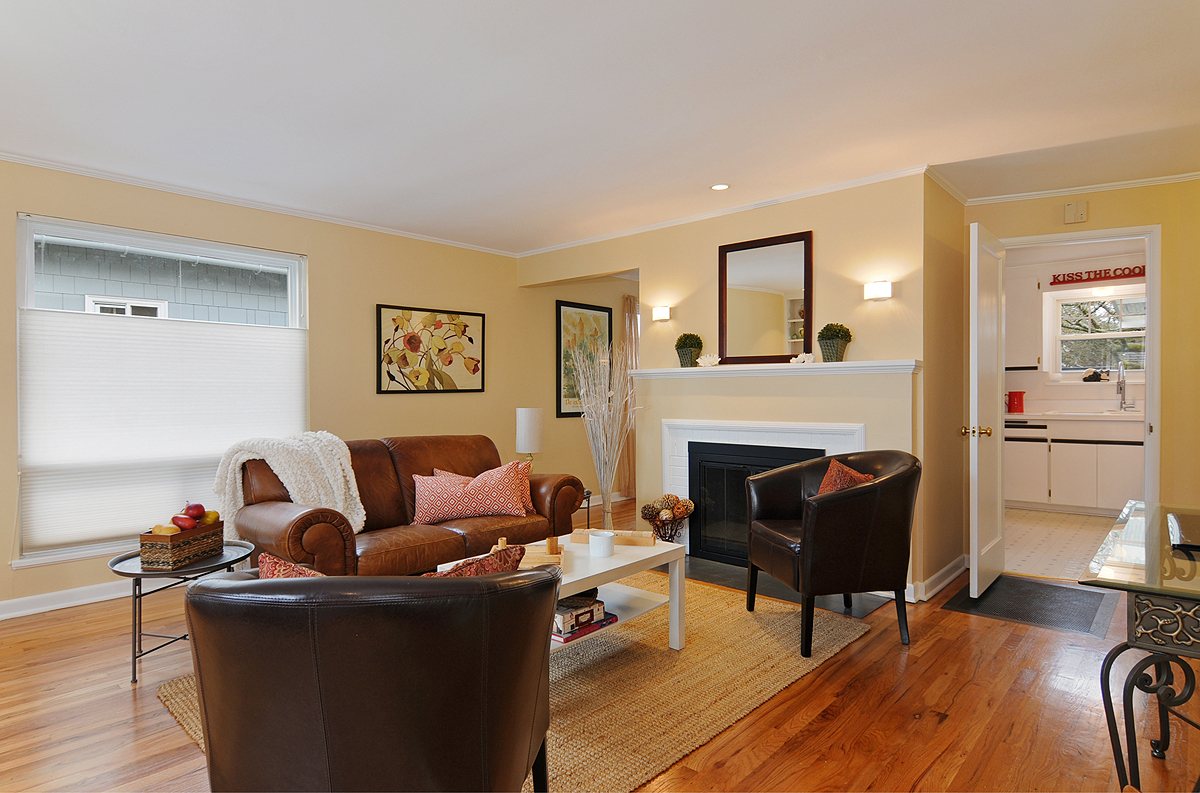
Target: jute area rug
[[624, 707]]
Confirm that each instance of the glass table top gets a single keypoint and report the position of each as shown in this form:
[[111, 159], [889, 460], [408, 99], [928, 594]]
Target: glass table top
[[1138, 554]]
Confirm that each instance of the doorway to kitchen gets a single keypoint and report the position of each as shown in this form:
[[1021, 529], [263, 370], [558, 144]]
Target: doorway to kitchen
[[1082, 354]]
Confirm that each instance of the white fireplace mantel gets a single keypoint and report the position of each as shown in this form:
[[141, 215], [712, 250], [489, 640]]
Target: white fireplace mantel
[[905, 366]]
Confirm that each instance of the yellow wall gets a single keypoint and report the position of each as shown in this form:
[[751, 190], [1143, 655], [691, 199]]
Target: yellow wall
[[350, 270], [944, 401], [914, 237], [760, 326], [678, 267], [1176, 207]]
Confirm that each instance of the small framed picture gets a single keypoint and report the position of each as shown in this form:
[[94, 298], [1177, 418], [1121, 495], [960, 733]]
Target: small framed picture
[[577, 321], [428, 350]]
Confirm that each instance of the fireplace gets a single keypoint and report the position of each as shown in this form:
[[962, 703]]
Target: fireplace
[[717, 475]]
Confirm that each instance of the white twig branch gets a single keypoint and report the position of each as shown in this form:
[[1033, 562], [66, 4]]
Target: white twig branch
[[606, 393]]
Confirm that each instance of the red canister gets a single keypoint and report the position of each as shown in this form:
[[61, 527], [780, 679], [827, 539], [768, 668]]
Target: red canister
[[1015, 402]]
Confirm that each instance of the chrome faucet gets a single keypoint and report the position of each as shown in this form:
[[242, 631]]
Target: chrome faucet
[[1122, 405]]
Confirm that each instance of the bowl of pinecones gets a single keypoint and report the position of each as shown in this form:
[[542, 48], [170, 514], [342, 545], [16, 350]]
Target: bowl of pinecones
[[666, 515]]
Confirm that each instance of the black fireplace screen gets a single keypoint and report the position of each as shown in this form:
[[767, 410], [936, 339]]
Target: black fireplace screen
[[717, 475]]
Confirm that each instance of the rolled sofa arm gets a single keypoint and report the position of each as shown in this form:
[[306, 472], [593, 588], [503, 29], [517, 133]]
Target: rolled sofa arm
[[314, 536], [556, 497]]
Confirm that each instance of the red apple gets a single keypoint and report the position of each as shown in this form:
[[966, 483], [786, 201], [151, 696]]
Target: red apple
[[184, 522], [194, 510]]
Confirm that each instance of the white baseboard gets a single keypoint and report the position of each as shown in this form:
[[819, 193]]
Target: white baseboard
[[924, 590], [51, 601], [1039, 506]]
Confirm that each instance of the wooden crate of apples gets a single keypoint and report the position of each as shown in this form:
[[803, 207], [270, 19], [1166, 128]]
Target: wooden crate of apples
[[193, 534]]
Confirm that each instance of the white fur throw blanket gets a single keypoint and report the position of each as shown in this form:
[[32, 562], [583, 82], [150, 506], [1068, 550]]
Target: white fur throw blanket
[[313, 466]]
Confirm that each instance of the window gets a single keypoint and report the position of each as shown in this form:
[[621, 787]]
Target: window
[[99, 304], [177, 349], [1099, 331]]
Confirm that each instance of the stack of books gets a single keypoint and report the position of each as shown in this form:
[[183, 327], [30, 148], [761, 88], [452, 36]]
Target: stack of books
[[578, 616]]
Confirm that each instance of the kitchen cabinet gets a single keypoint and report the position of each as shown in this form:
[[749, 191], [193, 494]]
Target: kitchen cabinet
[[1026, 470], [1088, 465], [1073, 474], [1120, 471], [1022, 319]]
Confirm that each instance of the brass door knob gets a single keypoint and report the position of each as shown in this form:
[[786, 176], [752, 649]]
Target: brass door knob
[[987, 432], [965, 431]]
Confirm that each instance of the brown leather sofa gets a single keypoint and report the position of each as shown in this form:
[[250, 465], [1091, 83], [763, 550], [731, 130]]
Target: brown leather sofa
[[389, 543], [371, 683]]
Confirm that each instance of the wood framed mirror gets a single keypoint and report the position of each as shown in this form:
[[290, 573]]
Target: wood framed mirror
[[766, 299]]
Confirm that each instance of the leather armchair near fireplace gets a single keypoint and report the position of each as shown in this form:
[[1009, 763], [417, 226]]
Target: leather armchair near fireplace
[[390, 544], [852, 540]]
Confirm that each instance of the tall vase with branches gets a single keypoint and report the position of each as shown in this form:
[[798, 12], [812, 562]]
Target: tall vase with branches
[[606, 392]]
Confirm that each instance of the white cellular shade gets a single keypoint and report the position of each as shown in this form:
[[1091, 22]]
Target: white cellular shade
[[123, 419]]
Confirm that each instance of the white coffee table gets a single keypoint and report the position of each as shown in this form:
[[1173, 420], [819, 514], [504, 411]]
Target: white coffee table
[[583, 571]]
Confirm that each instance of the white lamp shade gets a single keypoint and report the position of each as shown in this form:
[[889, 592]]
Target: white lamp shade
[[529, 430], [877, 290], [661, 313]]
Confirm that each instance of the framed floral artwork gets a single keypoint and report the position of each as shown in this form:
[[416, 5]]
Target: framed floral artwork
[[577, 321], [427, 350]]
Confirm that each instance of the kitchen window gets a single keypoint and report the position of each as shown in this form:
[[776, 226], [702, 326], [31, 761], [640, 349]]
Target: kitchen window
[[1099, 329]]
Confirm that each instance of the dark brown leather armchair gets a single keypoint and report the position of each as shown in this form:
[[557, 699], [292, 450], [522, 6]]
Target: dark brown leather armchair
[[852, 540], [374, 683]]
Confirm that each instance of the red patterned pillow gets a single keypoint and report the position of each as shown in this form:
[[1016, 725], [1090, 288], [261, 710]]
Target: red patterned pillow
[[839, 477], [273, 567], [523, 467], [494, 492], [501, 561]]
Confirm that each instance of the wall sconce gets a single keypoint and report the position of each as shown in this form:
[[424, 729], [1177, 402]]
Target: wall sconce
[[661, 313], [529, 431], [877, 290]]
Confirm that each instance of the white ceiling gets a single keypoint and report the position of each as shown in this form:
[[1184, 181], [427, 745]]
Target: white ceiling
[[530, 124]]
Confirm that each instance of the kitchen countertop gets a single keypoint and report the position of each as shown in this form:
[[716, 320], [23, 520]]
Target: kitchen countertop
[[1077, 415]]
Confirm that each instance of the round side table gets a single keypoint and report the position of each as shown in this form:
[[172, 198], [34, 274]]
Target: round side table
[[130, 566]]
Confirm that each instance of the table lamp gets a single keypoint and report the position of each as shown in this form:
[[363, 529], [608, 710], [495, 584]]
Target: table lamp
[[529, 431]]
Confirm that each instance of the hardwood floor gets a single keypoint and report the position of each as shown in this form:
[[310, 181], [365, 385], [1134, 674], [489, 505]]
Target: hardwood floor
[[971, 704]]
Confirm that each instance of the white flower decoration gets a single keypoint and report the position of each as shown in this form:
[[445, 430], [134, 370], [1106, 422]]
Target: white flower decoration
[[711, 359]]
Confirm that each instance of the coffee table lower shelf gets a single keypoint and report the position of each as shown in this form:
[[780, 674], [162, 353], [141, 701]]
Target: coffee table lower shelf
[[626, 602]]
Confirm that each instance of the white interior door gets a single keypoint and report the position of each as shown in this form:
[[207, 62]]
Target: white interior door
[[986, 431]]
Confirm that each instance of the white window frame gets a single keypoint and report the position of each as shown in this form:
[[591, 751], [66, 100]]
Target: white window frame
[[92, 304], [33, 227], [1052, 327]]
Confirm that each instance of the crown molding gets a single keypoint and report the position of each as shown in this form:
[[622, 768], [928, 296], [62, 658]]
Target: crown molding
[[227, 199], [942, 182], [1093, 188], [833, 188]]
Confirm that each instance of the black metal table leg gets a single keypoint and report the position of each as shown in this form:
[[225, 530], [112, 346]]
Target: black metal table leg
[[1161, 686], [137, 627]]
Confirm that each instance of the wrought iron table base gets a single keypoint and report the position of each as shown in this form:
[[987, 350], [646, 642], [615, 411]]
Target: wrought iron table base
[[1160, 684], [138, 633]]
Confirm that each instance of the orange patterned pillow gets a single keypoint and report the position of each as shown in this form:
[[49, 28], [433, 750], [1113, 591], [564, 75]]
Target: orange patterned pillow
[[273, 567], [524, 469], [494, 492], [501, 561], [839, 477]]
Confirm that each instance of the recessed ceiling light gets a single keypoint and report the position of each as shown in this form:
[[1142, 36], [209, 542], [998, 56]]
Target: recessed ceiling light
[[720, 187]]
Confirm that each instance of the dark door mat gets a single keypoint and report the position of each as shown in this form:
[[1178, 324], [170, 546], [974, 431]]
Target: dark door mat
[[1029, 601]]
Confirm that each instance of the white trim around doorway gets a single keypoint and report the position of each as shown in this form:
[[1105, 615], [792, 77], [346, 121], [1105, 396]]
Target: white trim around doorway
[[1153, 239]]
